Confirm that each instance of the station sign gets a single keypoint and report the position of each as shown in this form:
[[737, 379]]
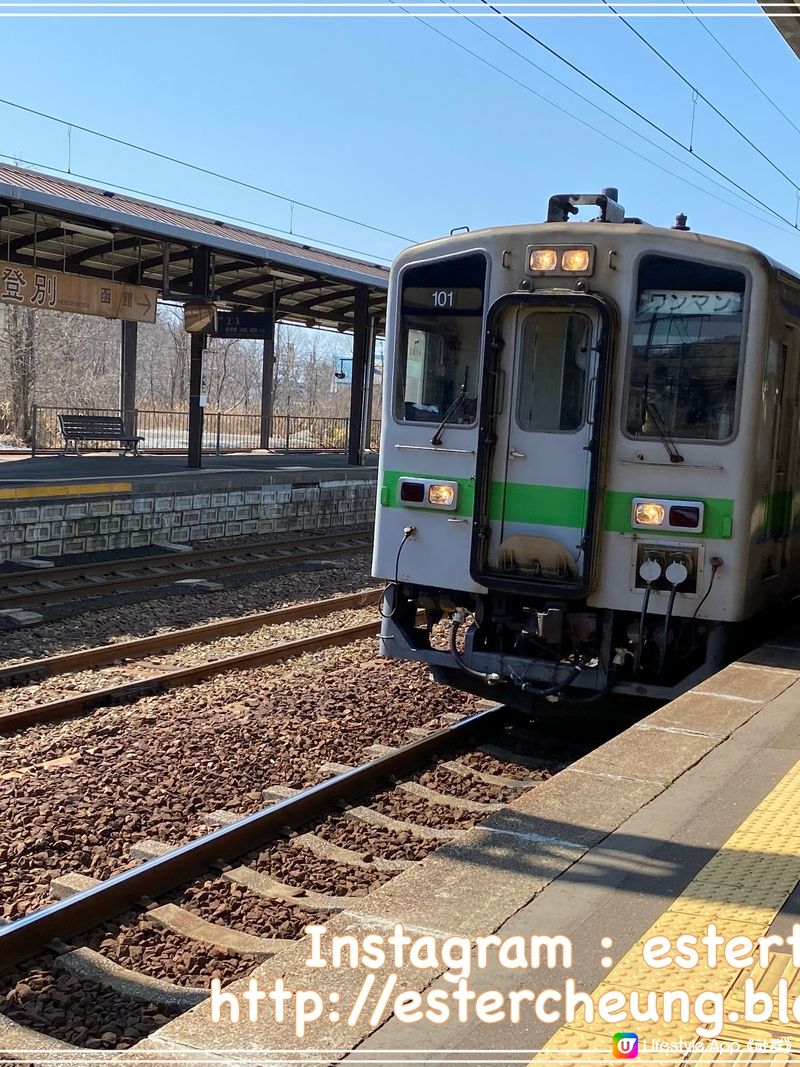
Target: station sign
[[199, 316], [256, 325], [35, 287]]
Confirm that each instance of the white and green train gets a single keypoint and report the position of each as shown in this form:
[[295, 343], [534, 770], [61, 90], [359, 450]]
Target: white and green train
[[590, 459]]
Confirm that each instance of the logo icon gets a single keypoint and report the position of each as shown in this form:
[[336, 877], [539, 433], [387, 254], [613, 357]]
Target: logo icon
[[625, 1046]]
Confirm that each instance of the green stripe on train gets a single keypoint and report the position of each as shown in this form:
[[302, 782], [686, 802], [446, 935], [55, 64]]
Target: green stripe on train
[[549, 505]]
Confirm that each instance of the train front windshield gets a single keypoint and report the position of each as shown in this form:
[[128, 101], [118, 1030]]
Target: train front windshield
[[686, 346], [439, 343]]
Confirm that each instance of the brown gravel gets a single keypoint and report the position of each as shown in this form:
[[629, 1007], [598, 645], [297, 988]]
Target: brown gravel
[[150, 769], [299, 867], [374, 841], [220, 901], [75, 1010], [141, 946], [402, 805], [456, 785], [481, 761]]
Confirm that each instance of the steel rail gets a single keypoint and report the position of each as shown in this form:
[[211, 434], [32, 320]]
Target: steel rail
[[156, 683], [261, 554], [101, 655], [69, 917]]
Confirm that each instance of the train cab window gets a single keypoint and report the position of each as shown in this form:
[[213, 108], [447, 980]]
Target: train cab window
[[554, 352], [686, 349], [438, 350]]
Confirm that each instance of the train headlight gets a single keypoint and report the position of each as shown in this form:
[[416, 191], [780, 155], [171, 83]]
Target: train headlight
[[575, 259], [560, 259], [646, 513], [668, 514], [442, 494], [428, 493], [543, 259]]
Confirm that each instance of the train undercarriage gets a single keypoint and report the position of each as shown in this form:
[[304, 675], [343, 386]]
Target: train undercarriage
[[534, 652]]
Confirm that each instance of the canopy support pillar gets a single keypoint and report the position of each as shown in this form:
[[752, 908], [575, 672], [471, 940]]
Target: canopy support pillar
[[201, 278], [360, 348]]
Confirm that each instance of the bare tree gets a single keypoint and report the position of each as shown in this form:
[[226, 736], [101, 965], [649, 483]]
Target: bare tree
[[19, 351]]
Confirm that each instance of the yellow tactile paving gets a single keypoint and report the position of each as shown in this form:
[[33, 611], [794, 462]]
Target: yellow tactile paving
[[31, 492], [740, 891]]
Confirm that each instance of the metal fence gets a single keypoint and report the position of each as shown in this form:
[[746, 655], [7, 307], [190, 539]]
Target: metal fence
[[168, 431]]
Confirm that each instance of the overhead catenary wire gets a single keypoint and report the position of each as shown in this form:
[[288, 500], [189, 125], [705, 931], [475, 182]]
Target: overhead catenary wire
[[603, 111], [198, 168], [787, 228], [744, 71], [635, 111], [719, 113]]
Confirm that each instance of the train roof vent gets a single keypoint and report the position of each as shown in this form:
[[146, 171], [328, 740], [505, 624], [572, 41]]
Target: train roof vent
[[561, 206]]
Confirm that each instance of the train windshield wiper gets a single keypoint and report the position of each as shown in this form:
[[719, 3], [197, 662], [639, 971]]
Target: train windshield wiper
[[658, 423], [459, 400]]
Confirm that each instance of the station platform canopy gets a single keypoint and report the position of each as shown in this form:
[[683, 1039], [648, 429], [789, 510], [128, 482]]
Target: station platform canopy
[[73, 247], [65, 226]]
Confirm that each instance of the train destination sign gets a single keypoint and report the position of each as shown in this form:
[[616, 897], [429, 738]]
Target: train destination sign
[[686, 302], [35, 287], [443, 298]]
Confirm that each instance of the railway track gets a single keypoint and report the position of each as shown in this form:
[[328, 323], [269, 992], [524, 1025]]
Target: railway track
[[59, 584], [91, 937], [156, 679]]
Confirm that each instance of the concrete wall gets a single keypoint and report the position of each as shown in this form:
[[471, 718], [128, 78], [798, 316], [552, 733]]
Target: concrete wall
[[51, 528]]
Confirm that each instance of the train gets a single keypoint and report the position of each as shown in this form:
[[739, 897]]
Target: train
[[589, 474]]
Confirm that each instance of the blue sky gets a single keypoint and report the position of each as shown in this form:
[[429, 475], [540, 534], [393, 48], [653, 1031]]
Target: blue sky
[[385, 121]]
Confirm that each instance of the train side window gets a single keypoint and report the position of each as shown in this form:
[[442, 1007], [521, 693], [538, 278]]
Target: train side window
[[554, 350], [685, 351]]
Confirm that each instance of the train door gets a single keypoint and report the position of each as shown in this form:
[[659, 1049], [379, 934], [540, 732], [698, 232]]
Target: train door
[[537, 486]]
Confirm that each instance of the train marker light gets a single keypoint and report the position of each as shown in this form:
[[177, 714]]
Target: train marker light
[[647, 513], [685, 516], [543, 259], [412, 492], [575, 259], [443, 495]]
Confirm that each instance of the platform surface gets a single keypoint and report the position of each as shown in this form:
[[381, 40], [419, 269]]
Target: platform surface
[[110, 466]]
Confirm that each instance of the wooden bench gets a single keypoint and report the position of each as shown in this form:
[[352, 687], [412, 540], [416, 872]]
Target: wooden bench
[[76, 428]]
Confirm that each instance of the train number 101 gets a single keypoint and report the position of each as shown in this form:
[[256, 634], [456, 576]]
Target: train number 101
[[444, 298]]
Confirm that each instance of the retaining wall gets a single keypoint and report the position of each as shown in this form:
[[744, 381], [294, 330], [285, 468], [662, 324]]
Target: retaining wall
[[84, 518]]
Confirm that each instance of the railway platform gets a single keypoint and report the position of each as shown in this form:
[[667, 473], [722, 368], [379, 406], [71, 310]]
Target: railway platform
[[663, 859], [54, 506]]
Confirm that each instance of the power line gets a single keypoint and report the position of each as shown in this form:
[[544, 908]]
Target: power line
[[637, 113], [703, 97], [747, 75], [202, 170], [620, 144], [191, 207], [603, 111]]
